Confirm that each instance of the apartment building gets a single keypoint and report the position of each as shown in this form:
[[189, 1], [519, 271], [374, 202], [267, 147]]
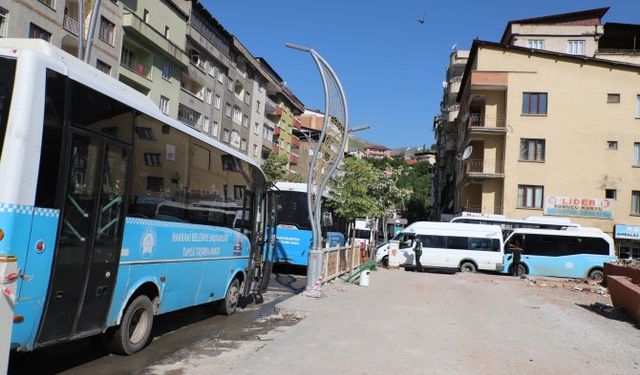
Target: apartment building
[[311, 123], [61, 23], [553, 134], [445, 134]]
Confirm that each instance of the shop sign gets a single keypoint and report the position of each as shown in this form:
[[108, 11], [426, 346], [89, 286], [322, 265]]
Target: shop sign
[[631, 232], [595, 208]]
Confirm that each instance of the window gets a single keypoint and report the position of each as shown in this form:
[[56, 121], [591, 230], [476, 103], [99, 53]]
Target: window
[[164, 104], [636, 154], [638, 106], [227, 109], [238, 191], [215, 129], [152, 159], [575, 47], [247, 97], [225, 135], [460, 243], [256, 129], [106, 30], [145, 133], [217, 102], [212, 70], [534, 103], [235, 138], [245, 121], [50, 3], [237, 115], [243, 144], [530, 196], [535, 43], [230, 84], [3, 22], [145, 16], [166, 71], [257, 106], [613, 98], [532, 149], [188, 116], [610, 193], [167, 32], [103, 67], [208, 94], [36, 32], [205, 124], [220, 76], [635, 202], [255, 151], [155, 184], [612, 145]]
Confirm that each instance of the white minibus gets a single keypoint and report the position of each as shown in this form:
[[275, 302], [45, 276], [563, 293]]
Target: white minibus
[[467, 247]]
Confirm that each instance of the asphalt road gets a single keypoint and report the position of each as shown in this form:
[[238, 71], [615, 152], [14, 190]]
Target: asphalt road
[[171, 333]]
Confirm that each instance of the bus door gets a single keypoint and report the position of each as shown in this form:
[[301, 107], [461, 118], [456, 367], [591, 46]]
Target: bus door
[[270, 226], [95, 185]]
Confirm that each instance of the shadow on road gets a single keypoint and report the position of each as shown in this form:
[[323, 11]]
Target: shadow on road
[[608, 312]]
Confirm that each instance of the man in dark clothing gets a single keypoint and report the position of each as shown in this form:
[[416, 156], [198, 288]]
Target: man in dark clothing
[[516, 252], [417, 248]]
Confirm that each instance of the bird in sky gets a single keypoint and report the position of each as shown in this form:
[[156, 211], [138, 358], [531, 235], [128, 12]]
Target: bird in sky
[[421, 20]]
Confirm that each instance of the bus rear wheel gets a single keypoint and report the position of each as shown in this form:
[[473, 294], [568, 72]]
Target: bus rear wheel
[[468, 267], [230, 302], [521, 270], [596, 275], [133, 333]]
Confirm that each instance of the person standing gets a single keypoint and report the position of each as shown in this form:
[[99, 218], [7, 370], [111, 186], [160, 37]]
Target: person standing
[[516, 253], [417, 249]]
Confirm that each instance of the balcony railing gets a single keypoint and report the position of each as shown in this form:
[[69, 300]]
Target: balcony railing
[[276, 132], [479, 120], [483, 209], [71, 25], [296, 124], [269, 107], [484, 166], [295, 142], [135, 66], [293, 159]]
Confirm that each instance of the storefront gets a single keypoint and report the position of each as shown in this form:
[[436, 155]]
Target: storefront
[[627, 241]]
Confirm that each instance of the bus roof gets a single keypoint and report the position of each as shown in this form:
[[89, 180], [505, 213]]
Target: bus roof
[[89, 76], [418, 226], [504, 219], [580, 231]]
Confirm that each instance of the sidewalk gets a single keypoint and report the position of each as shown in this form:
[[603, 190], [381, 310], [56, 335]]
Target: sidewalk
[[411, 323]]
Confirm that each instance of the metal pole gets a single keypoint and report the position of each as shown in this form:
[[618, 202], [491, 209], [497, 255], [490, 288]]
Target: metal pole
[[81, 29], [92, 30], [315, 264]]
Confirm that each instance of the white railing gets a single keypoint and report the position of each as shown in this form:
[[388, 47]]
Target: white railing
[[338, 261], [71, 25]]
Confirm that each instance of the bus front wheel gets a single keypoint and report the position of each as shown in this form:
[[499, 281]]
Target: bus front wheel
[[468, 267], [230, 302], [385, 261], [133, 332], [596, 275]]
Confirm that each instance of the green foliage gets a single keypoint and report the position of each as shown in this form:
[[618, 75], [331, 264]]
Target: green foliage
[[350, 194], [295, 177], [275, 167]]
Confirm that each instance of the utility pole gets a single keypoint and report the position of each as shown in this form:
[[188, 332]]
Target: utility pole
[[92, 30], [325, 161]]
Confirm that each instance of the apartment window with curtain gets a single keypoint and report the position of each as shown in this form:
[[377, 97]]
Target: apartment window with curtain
[[217, 102], [106, 32], [227, 109], [235, 138], [530, 196], [103, 67], [534, 103], [575, 47], [612, 145], [215, 129], [36, 32], [535, 43], [164, 104], [636, 154], [208, 95], [205, 124], [225, 135], [635, 202], [532, 149], [166, 71]]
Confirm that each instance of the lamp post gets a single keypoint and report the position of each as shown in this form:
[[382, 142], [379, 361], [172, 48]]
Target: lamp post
[[327, 156]]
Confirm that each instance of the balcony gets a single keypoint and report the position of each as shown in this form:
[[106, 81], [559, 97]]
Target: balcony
[[269, 106], [293, 159], [483, 168], [296, 124], [489, 80], [483, 209], [480, 120], [136, 66], [71, 25], [276, 149], [295, 142], [276, 132], [132, 23]]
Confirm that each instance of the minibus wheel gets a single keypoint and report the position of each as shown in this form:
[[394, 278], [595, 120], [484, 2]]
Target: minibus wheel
[[133, 332], [522, 270], [596, 275], [468, 267], [230, 302], [385, 261]]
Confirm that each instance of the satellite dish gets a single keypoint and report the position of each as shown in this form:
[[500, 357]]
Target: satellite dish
[[467, 152]]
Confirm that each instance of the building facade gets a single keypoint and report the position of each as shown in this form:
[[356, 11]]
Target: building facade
[[60, 23]]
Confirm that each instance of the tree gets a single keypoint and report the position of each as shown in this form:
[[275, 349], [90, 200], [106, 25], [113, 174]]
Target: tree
[[275, 167]]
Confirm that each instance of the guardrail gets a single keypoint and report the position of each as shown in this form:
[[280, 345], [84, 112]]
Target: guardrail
[[338, 261]]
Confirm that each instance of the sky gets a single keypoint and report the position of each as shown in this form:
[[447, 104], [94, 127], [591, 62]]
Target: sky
[[391, 66]]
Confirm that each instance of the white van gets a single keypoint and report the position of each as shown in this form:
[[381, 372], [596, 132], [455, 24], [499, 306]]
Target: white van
[[467, 247]]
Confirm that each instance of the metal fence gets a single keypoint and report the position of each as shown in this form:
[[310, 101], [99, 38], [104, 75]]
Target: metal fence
[[338, 261]]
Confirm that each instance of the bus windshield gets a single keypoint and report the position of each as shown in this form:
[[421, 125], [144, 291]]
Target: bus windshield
[[292, 209], [7, 73]]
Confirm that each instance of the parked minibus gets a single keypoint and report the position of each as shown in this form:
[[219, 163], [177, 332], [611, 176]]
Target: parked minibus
[[574, 252], [467, 247]]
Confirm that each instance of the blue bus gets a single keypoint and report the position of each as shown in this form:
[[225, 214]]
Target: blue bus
[[574, 252], [294, 234], [115, 212]]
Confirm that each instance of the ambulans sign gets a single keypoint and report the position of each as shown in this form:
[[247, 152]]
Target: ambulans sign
[[596, 208]]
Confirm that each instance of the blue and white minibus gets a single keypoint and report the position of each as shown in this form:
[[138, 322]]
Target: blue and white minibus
[[115, 211], [294, 234], [574, 252]]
